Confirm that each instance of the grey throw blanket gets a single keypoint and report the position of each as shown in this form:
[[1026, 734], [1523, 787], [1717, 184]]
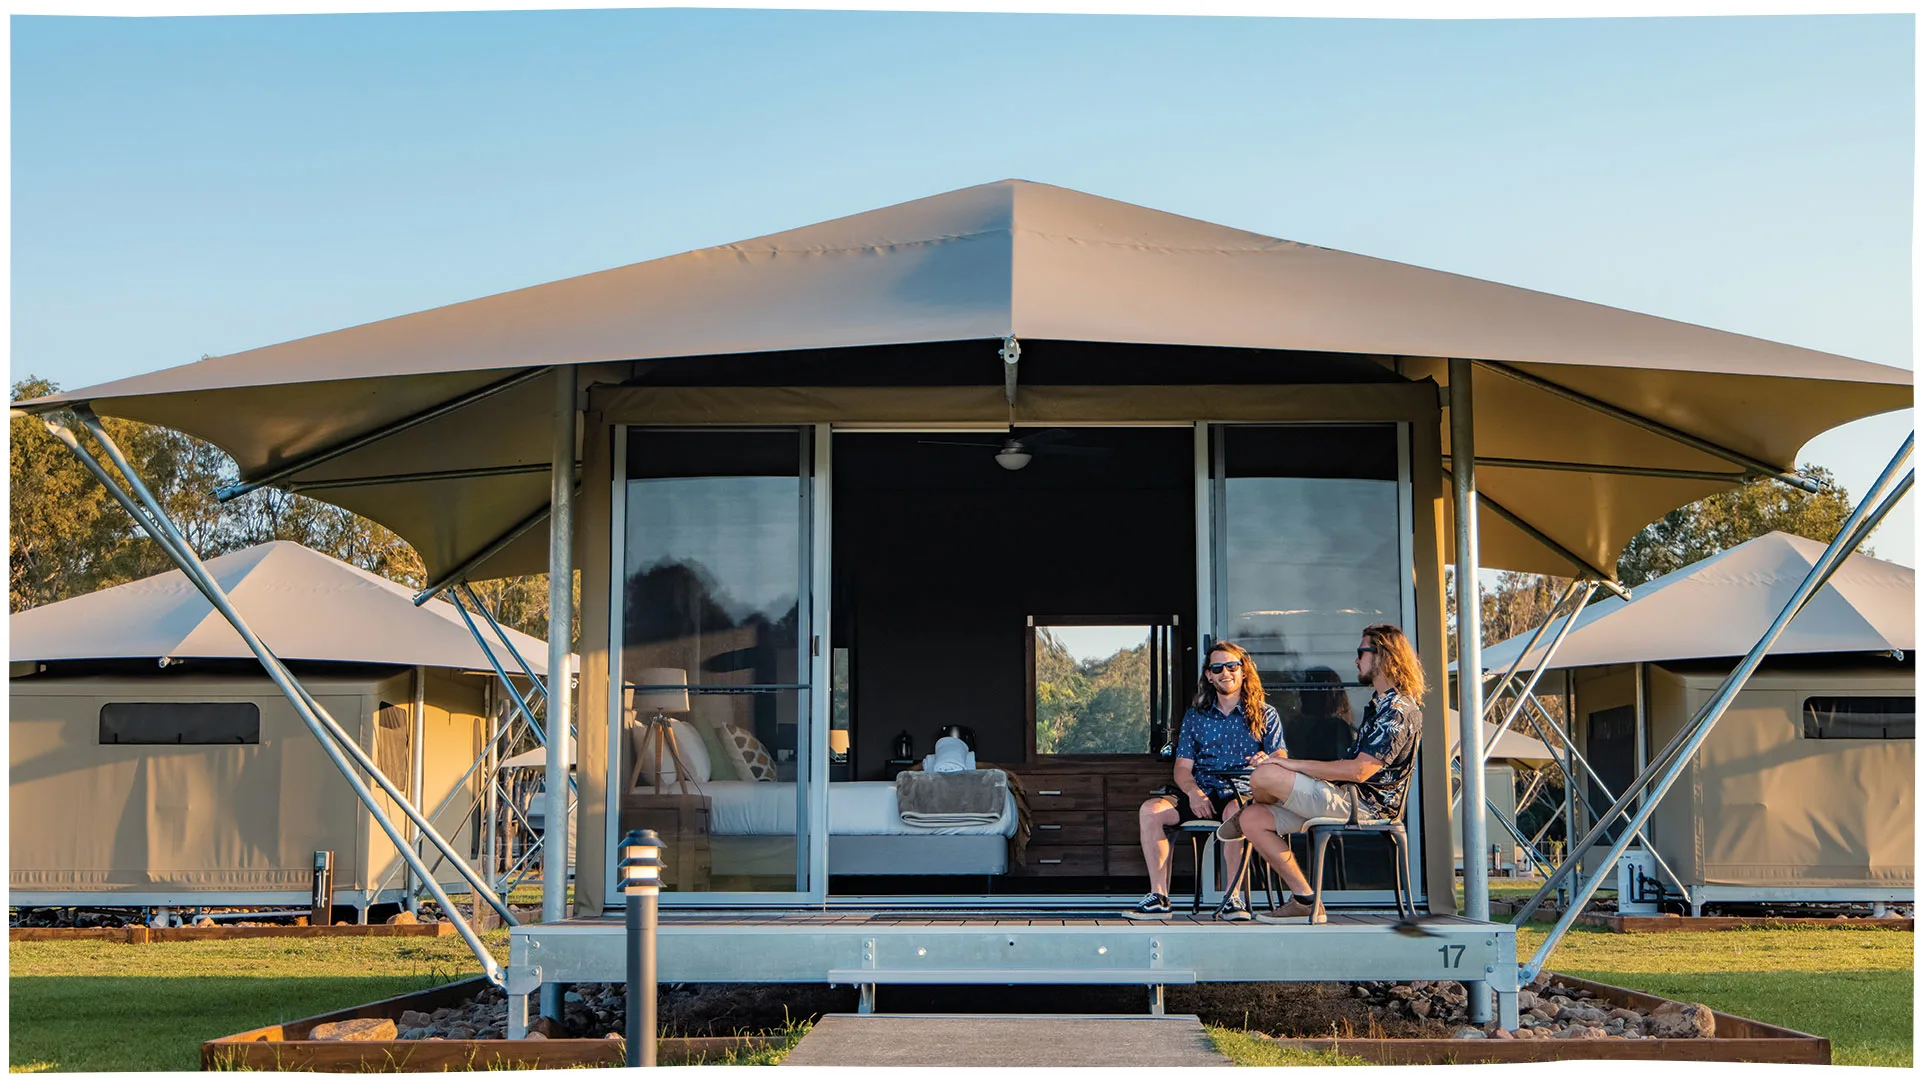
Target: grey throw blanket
[[977, 797]]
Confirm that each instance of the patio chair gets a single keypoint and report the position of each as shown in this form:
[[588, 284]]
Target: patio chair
[[1201, 832], [1322, 830]]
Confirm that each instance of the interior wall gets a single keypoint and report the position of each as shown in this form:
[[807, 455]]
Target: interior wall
[[941, 555]]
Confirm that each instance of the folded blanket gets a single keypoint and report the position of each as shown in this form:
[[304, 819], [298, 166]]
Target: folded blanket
[[959, 798]]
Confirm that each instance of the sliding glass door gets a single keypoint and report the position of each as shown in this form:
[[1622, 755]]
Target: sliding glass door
[[712, 653], [1311, 543]]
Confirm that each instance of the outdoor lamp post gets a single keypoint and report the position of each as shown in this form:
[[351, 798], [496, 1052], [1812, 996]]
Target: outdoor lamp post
[[640, 880]]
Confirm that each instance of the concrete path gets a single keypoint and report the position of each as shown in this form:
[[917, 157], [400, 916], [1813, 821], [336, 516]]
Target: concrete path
[[844, 1039]]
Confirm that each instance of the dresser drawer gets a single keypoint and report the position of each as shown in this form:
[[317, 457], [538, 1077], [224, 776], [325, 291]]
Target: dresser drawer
[[1126, 860], [1055, 828], [1073, 791], [1128, 791], [1081, 860]]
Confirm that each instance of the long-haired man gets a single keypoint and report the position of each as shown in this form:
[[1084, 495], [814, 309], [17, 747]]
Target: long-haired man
[[1375, 770]]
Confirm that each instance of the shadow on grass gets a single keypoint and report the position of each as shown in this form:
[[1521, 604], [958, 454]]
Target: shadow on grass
[[123, 1023], [1867, 1015]]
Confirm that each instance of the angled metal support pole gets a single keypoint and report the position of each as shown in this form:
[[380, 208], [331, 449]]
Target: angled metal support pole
[[151, 515], [1606, 793], [1651, 788], [1519, 662], [492, 548], [481, 472], [480, 605], [1466, 584], [148, 513], [513, 692], [234, 491], [1751, 464]]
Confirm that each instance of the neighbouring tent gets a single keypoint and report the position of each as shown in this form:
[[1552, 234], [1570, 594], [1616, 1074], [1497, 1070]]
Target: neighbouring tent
[[153, 762], [1804, 790]]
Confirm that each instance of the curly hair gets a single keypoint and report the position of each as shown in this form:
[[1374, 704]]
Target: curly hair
[[1253, 698], [1396, 660]]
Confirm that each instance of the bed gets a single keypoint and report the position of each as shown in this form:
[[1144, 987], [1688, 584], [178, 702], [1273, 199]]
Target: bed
[[752, 826]]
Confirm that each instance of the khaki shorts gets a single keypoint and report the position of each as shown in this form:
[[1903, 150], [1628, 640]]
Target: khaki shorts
[[1313, 797]]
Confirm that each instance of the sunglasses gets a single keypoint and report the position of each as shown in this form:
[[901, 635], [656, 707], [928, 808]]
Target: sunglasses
[[1230, 665], [1363, 650]]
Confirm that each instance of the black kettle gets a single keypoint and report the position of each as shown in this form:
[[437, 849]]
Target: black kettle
[[903, 747], [956, 731]]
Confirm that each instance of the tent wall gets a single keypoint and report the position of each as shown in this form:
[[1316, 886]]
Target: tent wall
[[217, 821], [1763, 806], [93, 819], [1500, 791], [455, 731], [1413, 402]]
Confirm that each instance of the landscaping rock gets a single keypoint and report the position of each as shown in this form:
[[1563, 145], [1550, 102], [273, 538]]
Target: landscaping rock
[[1421, 1009], [544, 1028], [403, 917], [1680, 1020], [1467, 1033], [1579, 1031], [1528, 1000], [366, 1029], [414, 1018]]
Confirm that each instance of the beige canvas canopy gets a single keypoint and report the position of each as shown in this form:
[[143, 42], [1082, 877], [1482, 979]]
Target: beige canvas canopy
[[1719, 605], [1038, 263], [303, 604]]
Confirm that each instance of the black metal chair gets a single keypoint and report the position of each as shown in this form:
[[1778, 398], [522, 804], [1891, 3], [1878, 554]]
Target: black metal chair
[[1322, 830], [1200, 831]]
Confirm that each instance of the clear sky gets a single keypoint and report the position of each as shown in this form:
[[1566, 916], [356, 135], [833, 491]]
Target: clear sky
[[200, 186]]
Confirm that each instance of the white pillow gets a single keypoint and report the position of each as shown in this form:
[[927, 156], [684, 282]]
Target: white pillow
[[693, 754]]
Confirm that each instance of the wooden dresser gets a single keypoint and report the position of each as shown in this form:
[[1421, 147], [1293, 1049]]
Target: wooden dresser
[[1086, 814], [684, 824]]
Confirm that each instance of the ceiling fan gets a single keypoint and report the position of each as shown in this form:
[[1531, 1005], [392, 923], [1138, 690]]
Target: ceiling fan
[[1015, 451]]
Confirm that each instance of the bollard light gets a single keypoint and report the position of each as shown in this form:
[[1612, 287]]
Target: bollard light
[[640, 865]]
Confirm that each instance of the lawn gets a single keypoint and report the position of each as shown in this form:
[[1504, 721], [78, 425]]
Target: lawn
[[157, 1003]]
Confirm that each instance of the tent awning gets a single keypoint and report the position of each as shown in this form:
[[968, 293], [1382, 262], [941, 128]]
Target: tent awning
[[1044, 264]]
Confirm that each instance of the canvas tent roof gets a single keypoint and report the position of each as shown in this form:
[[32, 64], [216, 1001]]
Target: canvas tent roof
[[303, 604], [1512, 746], [1037, 262], [1720, 605]]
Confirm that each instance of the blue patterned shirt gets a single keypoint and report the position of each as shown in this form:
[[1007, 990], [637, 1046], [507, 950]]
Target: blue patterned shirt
[[1214, 740]]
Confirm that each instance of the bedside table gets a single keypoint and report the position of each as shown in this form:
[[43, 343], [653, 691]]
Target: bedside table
[[684, 823]]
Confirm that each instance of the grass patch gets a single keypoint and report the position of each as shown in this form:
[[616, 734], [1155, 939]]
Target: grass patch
[[1244, 1048]]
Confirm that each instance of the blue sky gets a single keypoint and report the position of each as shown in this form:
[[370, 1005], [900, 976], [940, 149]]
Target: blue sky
[[190, 186]]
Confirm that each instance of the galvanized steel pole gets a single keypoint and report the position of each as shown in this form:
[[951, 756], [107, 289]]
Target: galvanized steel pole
[[1466, 585], [553, 867]]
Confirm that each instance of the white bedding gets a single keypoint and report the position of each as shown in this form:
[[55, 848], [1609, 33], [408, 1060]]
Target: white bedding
[[854, 808]]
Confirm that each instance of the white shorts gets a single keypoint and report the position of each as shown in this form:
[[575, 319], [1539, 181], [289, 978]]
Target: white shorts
[[1313, 797]]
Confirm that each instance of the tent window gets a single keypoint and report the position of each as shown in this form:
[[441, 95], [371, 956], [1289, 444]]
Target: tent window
[[1858, 718], [179, 723]]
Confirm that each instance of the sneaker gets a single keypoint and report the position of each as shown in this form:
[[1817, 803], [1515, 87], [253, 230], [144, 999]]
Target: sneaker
[[1229, 829], [1234, 909], [1293, 913], [1155, 906]]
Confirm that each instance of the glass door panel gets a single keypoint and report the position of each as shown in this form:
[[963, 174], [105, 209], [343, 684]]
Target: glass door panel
[[712, 645], [1310, 542]]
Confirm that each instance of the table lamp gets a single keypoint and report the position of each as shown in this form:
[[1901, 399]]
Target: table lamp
[[839, 740], [661, 690]]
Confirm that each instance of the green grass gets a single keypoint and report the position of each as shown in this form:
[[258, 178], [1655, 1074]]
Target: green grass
[[1244, 1048]]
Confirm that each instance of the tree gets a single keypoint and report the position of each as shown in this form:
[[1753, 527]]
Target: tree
[[1721, 521]]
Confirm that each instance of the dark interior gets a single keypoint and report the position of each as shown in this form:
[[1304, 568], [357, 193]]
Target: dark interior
[[940, 555]]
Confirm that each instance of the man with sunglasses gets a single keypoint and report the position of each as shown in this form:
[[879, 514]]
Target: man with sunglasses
[[1376, 770], [1229, 726]]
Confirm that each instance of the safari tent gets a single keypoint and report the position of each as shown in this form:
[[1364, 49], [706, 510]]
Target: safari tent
[[153, 764], [1804, 792], [1166, 426]]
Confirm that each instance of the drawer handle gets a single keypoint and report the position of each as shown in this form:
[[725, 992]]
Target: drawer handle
[[1049, 793], [1049, 862], [1044, 828]]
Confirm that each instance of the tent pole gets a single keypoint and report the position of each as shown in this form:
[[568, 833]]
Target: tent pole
[[147, 512], [1515, 668], [235, 490], [1606, 470], [487, 808], [1466, 585], [417, 778], [151, 516], [1752, 464], [299, 486], [481, 606], [513, 692], [553, 888], [1874, 506]]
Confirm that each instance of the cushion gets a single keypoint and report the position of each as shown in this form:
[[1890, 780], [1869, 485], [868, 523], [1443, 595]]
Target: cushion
[[749, 755], [693, 754], [717, 756]]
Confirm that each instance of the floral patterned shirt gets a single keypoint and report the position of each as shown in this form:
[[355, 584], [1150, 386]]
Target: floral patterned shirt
[[1389, 731], [1214, 740]]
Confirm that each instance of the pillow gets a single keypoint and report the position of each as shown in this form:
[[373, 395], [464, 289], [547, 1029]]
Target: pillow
[[720, 761], [693, 754], [749, 755]]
